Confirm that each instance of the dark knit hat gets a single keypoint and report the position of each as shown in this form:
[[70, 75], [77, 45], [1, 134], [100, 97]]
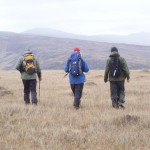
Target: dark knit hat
[[114, 49], [76, 49]]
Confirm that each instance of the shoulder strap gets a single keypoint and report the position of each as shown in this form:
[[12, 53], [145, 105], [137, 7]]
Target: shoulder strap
[[80, 65]]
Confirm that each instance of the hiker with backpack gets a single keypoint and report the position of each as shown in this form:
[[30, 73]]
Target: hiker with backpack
[[117, 71], [29, 69], [76, 67]]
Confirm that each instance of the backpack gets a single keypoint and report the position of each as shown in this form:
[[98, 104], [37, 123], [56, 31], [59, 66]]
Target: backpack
[[29, 64], [76, 65], [115, 67]]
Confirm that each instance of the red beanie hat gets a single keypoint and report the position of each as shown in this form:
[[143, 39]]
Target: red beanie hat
[[76, 49]]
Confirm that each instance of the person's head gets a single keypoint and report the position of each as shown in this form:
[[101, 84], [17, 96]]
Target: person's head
[[76, 49], [114, 49]]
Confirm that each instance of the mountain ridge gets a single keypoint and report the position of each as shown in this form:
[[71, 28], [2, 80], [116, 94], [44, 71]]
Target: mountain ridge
[[53, 52]]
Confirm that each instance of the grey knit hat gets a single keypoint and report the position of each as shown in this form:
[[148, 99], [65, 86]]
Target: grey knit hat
[[28, 52]]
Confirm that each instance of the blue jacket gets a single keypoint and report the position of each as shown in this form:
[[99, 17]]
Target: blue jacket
[[78, 79]]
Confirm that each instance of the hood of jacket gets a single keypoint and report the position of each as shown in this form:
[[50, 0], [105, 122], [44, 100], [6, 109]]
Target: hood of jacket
[[114, 54], [75, 55]]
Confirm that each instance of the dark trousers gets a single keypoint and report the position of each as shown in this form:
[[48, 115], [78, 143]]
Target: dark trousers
[[30, 86], [77, 91], [117, 91]]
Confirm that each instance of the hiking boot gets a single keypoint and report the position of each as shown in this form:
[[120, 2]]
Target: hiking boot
[[34, 104], [121, 106], [27, 103], [76, 107], [115, 105]]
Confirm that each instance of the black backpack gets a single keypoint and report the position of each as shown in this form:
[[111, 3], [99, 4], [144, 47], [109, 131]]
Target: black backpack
[[76, 65], [115, 67]]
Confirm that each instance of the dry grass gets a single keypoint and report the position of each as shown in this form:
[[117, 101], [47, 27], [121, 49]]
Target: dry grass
[[55, 125]]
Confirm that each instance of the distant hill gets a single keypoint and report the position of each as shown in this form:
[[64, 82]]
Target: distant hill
[[53, 52], [137, 38], [50, 33]]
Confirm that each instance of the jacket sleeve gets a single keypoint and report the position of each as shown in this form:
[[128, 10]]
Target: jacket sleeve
[[19, 64], [66, 69], [39, 74], [125, 69], [38, 66], [85, 67], [106, 70]]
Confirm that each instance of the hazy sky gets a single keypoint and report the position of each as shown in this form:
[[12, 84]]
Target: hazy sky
[[76, 16]]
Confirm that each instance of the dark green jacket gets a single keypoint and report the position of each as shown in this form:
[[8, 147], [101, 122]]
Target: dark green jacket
[[24, 75], [125, 71]]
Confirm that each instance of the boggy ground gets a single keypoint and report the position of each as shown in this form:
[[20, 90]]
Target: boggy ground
[[55, 125]]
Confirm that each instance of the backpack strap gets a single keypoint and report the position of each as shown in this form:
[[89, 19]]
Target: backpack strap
[[69, 63], [80, 65]]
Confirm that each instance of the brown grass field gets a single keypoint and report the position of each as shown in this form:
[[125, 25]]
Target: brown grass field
[[55, 125]]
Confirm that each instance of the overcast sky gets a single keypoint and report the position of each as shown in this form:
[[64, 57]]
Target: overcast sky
[[88, 17]]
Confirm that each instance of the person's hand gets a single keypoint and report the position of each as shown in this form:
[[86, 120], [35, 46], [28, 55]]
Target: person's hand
[[21, 70], [105, 80], [40, 79], [39, 76]]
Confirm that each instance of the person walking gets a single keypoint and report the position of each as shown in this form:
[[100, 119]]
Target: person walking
[[76, 67], [29, 67], [117, 71]]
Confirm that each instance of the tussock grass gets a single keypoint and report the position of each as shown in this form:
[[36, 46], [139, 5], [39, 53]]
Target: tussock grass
[[55, 125]]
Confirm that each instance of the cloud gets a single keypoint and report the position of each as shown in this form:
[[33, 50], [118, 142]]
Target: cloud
[[76, 16]]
